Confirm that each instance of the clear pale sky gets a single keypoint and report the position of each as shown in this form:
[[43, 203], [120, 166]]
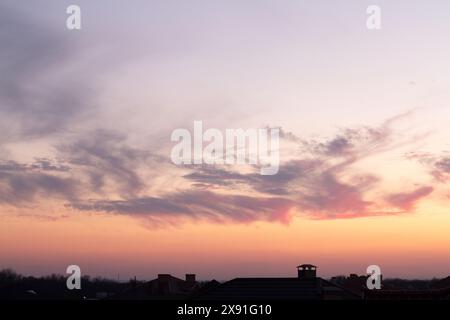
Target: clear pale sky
[[86, 118]]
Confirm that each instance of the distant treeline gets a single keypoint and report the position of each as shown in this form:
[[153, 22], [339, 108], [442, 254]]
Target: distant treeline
[[393, 283], [16, 286]]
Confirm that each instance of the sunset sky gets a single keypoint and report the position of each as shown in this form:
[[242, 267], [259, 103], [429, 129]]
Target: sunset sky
[[86, 118]]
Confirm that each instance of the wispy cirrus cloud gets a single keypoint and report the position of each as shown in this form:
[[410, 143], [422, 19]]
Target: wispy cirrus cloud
[[438, 165], [323, 183], [320, 184]]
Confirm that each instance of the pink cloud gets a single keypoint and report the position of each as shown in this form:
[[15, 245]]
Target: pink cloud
[[408, 200]]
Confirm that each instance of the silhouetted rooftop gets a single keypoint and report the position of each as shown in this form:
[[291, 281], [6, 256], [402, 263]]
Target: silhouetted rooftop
[[277, 288], [306, 266]]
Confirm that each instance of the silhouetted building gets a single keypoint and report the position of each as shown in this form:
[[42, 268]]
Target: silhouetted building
[[396, 289], [354, 283], [306, 286], [442, 283], [165, 287]]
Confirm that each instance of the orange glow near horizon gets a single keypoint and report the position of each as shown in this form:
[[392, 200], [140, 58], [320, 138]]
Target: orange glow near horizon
[[107, 245]]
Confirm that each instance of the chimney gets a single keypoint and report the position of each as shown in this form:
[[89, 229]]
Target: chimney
[[163, 277], [306, 271], [190, 278]]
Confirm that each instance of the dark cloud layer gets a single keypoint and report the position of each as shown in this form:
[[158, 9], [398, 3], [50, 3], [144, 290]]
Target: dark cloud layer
[[202, 205], [94, 163], [105, 156], [22, 184], [40, 164], [277, 184]]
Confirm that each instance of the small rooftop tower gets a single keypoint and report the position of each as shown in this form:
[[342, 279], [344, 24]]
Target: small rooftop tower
[[306, 271]]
